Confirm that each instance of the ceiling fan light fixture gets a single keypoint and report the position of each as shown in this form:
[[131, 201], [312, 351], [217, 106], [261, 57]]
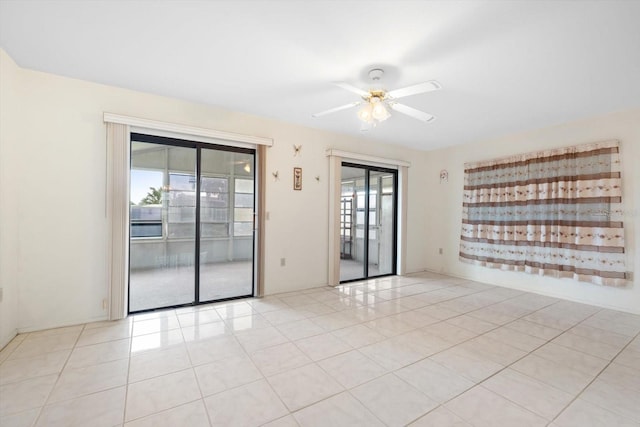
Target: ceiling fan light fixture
[[366, 113], [374, 111], [380, 112]]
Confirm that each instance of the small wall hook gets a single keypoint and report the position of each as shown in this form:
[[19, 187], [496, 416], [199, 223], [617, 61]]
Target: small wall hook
[[318, 178], [296, 149], [275, 175]]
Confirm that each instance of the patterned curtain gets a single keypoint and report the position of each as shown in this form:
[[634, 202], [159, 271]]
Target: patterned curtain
[[555, 212]]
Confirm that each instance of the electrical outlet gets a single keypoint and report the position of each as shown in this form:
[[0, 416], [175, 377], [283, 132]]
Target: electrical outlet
[[440, 251], [283, 262]]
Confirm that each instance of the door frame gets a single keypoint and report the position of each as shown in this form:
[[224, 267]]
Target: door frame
[[187, 142], [336, 157], [118, 128], [366, 241]]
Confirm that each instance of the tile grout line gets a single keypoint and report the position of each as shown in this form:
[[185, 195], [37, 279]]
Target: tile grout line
[[158, 376], [46, 400], [392, 372], [313, 362], [264, 378], [577, 396], [126, 387], [529, 353], [499, 371]]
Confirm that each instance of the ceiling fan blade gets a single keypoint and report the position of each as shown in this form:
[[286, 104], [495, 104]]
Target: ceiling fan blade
[[412, 112], [333, 110], [415, 89], [352, 88]]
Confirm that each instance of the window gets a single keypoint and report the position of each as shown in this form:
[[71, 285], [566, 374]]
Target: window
[[214, 207], [146, 203], [182, 206], [243, 208], [167, 205], [146, 221]]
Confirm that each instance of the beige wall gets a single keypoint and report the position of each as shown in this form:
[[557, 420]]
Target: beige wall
[[10, 106], [443, 218], [59, 174]]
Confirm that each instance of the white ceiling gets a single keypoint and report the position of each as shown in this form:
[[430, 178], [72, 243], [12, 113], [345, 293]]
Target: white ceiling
[[505, 67]]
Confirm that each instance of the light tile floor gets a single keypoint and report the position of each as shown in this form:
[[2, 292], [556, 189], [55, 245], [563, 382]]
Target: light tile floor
[[424, 350]]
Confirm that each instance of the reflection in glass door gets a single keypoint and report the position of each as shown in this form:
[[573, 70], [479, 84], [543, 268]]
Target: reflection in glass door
[[367, 222], [352, 223], [226, 225], [382, 223], [186, 249]]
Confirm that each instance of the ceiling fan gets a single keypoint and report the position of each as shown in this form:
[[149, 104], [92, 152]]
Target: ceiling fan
[[376, 101]]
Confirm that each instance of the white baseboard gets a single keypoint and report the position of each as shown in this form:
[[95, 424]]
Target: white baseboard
[[60, 325], [548, 294]]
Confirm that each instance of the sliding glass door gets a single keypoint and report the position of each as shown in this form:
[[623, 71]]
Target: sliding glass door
[[191, 232], [367, 222]]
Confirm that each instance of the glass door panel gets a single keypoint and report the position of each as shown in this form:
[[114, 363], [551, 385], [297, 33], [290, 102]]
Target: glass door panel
[[382, 223], [226, 224], [373, 246], [163, 232], [352, 223]]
